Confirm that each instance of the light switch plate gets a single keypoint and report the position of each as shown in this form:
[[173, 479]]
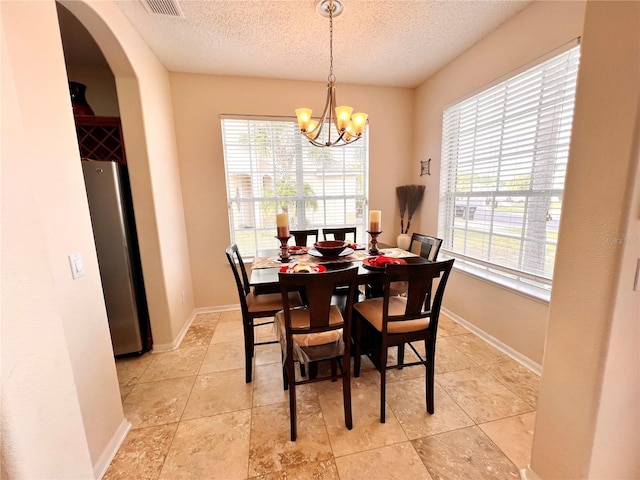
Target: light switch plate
[[77, 265]]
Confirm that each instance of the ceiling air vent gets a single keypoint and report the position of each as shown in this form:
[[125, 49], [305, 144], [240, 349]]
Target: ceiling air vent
[[169, 8]]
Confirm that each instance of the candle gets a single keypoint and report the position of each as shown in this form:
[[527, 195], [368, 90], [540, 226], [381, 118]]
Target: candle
[[282, 222], [375, 221]]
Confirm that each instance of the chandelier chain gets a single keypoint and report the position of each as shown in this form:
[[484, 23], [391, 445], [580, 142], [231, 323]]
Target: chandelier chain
[[331, 77]]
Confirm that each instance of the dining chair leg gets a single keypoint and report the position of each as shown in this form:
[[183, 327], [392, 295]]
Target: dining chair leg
[[334, 369], [285, 376], [248, 352], [401, 354], [429, 375], [383, 383], [346, 389], [356, 351], [313, 370], [292, 400]]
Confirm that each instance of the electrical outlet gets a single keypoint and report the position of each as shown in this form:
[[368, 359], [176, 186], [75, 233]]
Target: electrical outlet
[[77, 265]]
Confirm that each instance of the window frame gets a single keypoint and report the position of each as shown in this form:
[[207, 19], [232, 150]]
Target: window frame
[[355, 204], [528, 283]]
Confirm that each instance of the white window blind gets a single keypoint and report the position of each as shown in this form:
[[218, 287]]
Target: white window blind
[[504, 159], [271, 168]]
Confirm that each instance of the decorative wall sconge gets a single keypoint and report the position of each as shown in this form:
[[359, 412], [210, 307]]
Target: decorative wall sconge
[[425, 167]]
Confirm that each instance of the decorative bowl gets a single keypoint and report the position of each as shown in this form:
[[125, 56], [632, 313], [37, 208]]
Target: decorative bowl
[[330, 248]]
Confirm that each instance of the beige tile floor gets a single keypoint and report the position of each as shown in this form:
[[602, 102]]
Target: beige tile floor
[[194, 417]]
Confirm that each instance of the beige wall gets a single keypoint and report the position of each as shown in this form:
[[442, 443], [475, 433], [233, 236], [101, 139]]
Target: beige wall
[[61, 404], [588, 410], [198, 102], [513, 319]]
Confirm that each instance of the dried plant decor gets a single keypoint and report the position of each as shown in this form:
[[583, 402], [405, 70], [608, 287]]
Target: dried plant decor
[[409, 197]]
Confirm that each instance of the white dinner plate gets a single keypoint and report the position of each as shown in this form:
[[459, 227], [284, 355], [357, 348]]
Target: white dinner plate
[[390, 253], [344, 253]]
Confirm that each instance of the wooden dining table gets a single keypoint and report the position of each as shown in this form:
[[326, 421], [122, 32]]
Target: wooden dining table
[[266, 266]]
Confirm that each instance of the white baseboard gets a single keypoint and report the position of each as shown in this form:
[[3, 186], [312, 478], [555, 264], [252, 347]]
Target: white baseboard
[[219, 308], [528, 474], [167, 347], [101, 466], [494, 342]]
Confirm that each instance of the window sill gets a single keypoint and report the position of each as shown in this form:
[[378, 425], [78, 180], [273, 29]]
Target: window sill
[[533, 292]]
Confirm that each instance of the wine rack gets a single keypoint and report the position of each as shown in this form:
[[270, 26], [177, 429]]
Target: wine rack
[[100, 138]]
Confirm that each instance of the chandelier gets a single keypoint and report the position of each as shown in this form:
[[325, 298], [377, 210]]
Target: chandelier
[[348, 126]]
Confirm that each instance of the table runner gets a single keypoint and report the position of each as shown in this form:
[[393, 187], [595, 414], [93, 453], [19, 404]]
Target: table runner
[[358, 255]]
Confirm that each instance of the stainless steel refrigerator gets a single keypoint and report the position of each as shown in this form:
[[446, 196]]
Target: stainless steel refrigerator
[[114, 232]]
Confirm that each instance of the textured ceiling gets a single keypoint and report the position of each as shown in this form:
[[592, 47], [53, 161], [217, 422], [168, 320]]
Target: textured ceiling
[[392, 43]]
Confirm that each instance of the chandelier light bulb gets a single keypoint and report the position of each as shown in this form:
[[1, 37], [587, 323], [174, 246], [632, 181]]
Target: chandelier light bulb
[[304, 117], [343, 116], [349, 132], [359, 121], [311, 129]]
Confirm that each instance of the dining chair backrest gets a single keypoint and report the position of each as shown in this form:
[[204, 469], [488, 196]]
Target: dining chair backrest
[[318, 289], [239, 273], [339, 233], [301, 237], [429, 246], [421, 302]]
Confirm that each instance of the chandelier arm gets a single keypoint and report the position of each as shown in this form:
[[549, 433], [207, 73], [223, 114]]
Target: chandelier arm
[[338, 143], [331, 104], [333, 107], [341, 137], [316, 144], [327, 105]]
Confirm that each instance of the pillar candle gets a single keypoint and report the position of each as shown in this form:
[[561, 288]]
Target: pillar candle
[[282, 222], [375, 221]]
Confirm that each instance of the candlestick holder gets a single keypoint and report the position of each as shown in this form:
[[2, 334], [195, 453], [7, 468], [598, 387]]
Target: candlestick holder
[[284, 249], [373, 245]]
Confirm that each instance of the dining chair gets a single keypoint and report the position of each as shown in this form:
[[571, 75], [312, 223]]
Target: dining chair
[[339, 233], [316, 332], [426, 246], [301, 237], [254, 307], [384, 322], [429, 246]]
